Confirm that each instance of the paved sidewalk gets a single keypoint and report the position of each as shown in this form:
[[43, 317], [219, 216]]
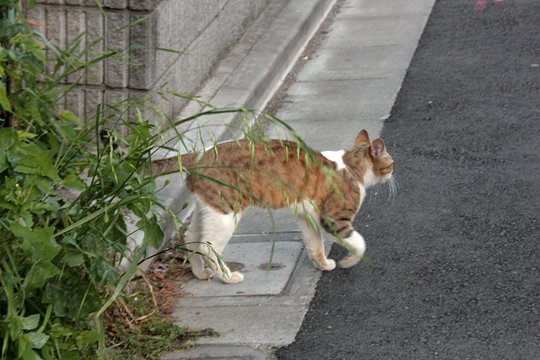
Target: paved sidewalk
[[350, 83]]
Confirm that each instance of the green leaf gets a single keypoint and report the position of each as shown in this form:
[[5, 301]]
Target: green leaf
[[37, 339], [8, 137], [3, 160], [86, 338], [30, 354], [34, 160], [30, 322], [153, 235], [69, 355], [4, 101], [104, 271], [74, 182], [73, 259], [71, 297], [58, 331], [70, 117], [23, 345], [23, 135], [40, 243], [40, 273]]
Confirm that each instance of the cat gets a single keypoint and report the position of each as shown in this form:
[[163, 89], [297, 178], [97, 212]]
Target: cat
[[231, 176]]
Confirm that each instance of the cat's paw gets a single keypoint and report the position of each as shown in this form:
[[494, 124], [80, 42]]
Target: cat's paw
[[234, 278], [349, 261], [202, 274], [329, 265]]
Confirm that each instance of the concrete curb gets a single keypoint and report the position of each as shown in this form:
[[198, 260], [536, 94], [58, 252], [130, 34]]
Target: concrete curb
[[263, 70]]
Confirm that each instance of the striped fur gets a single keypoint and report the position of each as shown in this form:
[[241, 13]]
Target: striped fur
[[278, 174]]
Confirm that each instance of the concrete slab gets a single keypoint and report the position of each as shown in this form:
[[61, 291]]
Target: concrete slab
[[349, 84], [385, 8], [377, 30], [333, 104], [358, 63], [264, 221], [267, 267], [271, 325], [222, 352]]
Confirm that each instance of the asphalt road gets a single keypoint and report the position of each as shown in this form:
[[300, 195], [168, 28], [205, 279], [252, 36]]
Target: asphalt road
[[453, 268]]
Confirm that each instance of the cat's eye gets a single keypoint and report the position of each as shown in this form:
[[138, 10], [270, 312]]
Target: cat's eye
[[386, 169]]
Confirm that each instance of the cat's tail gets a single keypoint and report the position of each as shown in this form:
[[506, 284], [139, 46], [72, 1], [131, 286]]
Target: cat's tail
[[171, 165], [158, 167]]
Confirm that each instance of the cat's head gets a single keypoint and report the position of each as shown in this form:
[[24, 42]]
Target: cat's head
[[369, 161]]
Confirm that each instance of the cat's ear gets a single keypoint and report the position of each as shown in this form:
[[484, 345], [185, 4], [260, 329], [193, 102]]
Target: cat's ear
[[377, 148], [362, 138]]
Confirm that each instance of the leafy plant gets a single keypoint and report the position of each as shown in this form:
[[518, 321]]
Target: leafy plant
[[63, 201], [65, 197]]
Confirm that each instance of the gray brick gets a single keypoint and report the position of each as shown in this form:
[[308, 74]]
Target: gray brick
[[56, 26], [76, 24], [116, 69], [75, 102], [56, 31], [115, 4], [38, 15], [115, 97], [93, 98], [146, 4], [204, 29], [94, 31], [180, 26], [115, 109], [60, 105], [142, 54]]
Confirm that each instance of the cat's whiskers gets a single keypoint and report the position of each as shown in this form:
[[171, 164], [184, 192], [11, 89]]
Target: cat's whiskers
[[392, 186]]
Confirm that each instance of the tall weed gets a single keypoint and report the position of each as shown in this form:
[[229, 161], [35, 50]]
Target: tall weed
[[66, 197]]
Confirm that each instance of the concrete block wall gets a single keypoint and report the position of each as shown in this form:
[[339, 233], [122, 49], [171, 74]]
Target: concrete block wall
[[203, 30]]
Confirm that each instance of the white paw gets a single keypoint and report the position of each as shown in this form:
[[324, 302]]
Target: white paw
[[349, 261], [330, 265], [234, 278]]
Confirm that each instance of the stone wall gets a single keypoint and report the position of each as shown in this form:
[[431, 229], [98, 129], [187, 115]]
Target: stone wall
[[202, 29]]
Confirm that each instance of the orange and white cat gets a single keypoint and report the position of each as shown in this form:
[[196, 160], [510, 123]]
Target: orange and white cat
[[227, 178]]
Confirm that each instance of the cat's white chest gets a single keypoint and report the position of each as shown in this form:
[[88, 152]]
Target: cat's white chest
[[336, 157]]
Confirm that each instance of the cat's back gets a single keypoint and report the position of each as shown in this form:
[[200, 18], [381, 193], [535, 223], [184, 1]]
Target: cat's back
[[272, 173], [246, 154]]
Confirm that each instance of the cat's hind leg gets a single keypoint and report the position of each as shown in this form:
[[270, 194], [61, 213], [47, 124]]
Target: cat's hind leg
[[313, 239], [194, 244], [215, 232]]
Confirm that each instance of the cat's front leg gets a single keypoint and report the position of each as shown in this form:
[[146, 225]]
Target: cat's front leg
[[345, 235], [356, 246]]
